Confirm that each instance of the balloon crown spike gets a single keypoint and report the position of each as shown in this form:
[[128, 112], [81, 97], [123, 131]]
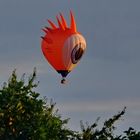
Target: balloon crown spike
[[62, 24]]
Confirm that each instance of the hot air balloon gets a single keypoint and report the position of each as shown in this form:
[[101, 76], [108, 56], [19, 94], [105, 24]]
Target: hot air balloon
[[63, 46]]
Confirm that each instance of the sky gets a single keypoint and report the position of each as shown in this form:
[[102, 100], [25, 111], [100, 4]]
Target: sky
[[108, 75]]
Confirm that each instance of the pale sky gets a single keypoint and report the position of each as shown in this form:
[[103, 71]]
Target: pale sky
[[108, 75]]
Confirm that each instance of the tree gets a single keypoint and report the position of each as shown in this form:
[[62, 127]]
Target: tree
[[24, 115], [106, 133], [91, 132]]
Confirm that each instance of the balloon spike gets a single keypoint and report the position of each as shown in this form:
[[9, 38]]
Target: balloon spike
[[73, 23], [49, 29], [60, 24], [52, 24], [63, 20], [44, 30], [49, 41]]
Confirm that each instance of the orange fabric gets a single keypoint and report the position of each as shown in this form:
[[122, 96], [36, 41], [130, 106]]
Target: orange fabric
[[53, 41], [53, 50]]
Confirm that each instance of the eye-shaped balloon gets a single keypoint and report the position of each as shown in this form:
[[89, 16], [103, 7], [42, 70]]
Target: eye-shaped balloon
[[63, 46]]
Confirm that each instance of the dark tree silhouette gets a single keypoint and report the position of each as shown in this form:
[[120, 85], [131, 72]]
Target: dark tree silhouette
[[24, 115]]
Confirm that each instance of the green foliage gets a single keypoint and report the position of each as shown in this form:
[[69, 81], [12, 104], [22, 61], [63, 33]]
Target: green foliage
[[26, 116], [131, 134], [106, 133], [90, 132]]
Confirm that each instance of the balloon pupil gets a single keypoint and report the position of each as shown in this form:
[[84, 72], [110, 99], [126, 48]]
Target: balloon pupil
[[77, 53]]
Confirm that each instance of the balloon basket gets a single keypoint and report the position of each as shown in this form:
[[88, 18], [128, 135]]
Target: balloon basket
[[63, 81]]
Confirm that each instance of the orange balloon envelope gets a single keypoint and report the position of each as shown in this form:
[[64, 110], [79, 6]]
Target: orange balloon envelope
[[63, 46]]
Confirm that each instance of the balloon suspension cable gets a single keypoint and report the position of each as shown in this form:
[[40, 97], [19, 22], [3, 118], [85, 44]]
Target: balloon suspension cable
[[63, 81]]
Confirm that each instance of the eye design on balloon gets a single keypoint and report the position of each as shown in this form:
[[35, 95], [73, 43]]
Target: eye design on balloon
[[73, 50], [77, 53]]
